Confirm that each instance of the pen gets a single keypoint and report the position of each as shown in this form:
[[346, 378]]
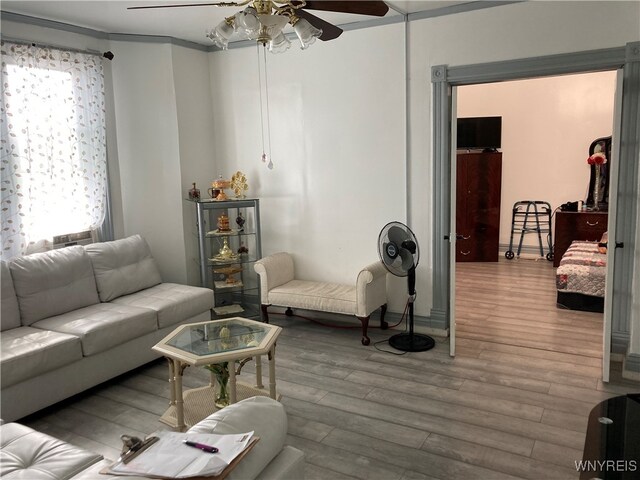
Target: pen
[[201, 446]]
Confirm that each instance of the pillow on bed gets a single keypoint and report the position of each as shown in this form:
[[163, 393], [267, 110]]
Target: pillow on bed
[[602, 245]]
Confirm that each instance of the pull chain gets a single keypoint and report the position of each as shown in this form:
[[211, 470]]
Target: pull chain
[[265, 156]]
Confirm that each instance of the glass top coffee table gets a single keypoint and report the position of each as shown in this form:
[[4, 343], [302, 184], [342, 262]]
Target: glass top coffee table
[[206, 343]]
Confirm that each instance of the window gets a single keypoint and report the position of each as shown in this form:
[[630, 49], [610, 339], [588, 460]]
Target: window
[[53, 150]]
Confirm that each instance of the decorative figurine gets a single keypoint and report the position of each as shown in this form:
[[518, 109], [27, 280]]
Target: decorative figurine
[[243, 250], [225, 253], [223, 223], [240, 222], [239, 184], [194, 193], [220, 184], [229, 273]]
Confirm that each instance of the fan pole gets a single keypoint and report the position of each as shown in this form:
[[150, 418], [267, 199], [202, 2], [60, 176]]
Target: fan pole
[[411, 342]]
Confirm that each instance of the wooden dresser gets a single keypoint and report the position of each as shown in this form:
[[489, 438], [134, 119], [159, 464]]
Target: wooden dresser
[[572, 226], [478, 188]]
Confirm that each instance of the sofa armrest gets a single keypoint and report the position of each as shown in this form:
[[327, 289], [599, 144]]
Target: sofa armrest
[[274, 270], [371, 289]]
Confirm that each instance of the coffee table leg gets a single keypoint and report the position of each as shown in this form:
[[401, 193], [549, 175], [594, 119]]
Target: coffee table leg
[[258, 359], [172, 382], [179, 370], [272, 372], [232, 381]]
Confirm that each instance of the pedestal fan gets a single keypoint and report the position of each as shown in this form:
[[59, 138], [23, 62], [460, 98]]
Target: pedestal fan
[[399, 253]]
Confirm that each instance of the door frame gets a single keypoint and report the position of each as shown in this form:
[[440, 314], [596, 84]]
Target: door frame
[[444, 78]]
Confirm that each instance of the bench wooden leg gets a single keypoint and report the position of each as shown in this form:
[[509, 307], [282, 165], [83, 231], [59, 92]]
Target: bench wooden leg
[[383, 310], [288, 312], [365, 325], [265, 315]]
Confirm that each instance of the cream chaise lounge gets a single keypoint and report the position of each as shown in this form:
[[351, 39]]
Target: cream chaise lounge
[[278, 286]]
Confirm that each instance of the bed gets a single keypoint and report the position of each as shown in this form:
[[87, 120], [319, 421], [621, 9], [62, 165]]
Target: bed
[[580, 277]]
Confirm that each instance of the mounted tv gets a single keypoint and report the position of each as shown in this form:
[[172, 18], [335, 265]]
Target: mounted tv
[[475, 133]]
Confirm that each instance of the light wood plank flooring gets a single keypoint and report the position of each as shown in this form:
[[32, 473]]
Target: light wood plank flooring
[[496, 411], [513, 302]]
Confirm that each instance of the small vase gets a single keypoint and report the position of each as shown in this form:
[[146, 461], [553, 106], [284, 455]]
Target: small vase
[[596, 189], [221, 373], [222, 393]]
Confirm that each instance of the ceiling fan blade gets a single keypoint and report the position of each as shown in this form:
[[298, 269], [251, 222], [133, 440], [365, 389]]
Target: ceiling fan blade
[[329, 30], [215, 4], [378, 9]]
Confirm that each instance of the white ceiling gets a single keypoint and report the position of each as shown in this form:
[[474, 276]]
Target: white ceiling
[[186, 23]]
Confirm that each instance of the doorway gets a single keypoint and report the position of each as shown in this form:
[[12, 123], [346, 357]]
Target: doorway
[[444, 78], [548, 125]]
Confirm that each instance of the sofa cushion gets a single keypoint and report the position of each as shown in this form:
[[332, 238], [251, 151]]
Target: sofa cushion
[[103, 325], [173, 303], [262, 415], [27, 352], [326, 297], [10, 313], [27, 454], [123, 266], [53, 282]]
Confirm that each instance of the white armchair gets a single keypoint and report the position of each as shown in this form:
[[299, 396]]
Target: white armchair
[[278, 286]]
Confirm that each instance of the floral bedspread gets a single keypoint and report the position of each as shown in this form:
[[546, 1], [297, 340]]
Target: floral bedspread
[[582, 269]]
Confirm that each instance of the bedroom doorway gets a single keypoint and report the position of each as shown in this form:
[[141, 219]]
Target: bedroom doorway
[[620, 263], [548, 125]]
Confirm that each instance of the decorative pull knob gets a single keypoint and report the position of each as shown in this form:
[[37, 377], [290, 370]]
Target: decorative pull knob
[[592, 224], [466, 253]]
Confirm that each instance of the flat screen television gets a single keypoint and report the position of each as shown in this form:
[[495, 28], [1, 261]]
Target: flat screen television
[[479, 133]]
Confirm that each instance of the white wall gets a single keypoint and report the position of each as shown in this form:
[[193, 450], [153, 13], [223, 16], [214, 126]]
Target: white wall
[[337, 143], [547, 127], [148, 151], [195, 127], [519, 30]]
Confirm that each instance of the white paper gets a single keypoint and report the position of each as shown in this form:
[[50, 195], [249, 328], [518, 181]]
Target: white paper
[[170, 457]]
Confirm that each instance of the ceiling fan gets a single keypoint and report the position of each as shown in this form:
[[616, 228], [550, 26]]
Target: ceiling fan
[[264, 20]]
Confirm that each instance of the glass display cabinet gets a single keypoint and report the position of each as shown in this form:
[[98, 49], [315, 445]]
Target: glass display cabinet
[[229, 245]]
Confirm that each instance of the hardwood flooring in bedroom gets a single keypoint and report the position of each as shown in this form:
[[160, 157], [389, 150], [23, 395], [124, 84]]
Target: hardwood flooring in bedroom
[[496, 411], [513, 302]]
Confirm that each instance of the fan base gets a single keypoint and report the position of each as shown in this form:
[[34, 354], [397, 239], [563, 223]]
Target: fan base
[[411, 342]]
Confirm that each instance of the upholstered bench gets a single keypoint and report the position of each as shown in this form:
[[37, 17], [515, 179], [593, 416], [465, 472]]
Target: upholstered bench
[[28, 454], [278, 286]]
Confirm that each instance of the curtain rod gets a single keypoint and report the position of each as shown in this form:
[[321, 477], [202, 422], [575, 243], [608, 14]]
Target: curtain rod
[[107, 54]]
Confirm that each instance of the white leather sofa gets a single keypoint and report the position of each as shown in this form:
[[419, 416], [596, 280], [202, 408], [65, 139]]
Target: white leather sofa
[[75, 317], [28, 454], [278, 286]]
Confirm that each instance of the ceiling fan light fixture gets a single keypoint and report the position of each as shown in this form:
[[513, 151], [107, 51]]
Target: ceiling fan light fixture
[[279, 44], [221, 34], [306, 32]]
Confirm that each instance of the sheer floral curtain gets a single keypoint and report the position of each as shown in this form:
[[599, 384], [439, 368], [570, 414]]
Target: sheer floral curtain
[[53, 150]]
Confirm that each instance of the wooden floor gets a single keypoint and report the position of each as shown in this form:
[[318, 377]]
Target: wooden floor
[[513, 302], [507, 409]]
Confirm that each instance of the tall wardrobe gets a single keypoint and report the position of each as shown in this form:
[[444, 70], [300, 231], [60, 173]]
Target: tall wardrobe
[[479, 184]]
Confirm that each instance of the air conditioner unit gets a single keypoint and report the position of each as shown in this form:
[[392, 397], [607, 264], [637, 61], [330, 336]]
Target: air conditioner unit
[[69, 239]]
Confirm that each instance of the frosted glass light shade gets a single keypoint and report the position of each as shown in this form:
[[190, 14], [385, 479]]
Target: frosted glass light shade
[[279, 44], [272, 25], [306, 32], [247, 23], [221, 34]]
